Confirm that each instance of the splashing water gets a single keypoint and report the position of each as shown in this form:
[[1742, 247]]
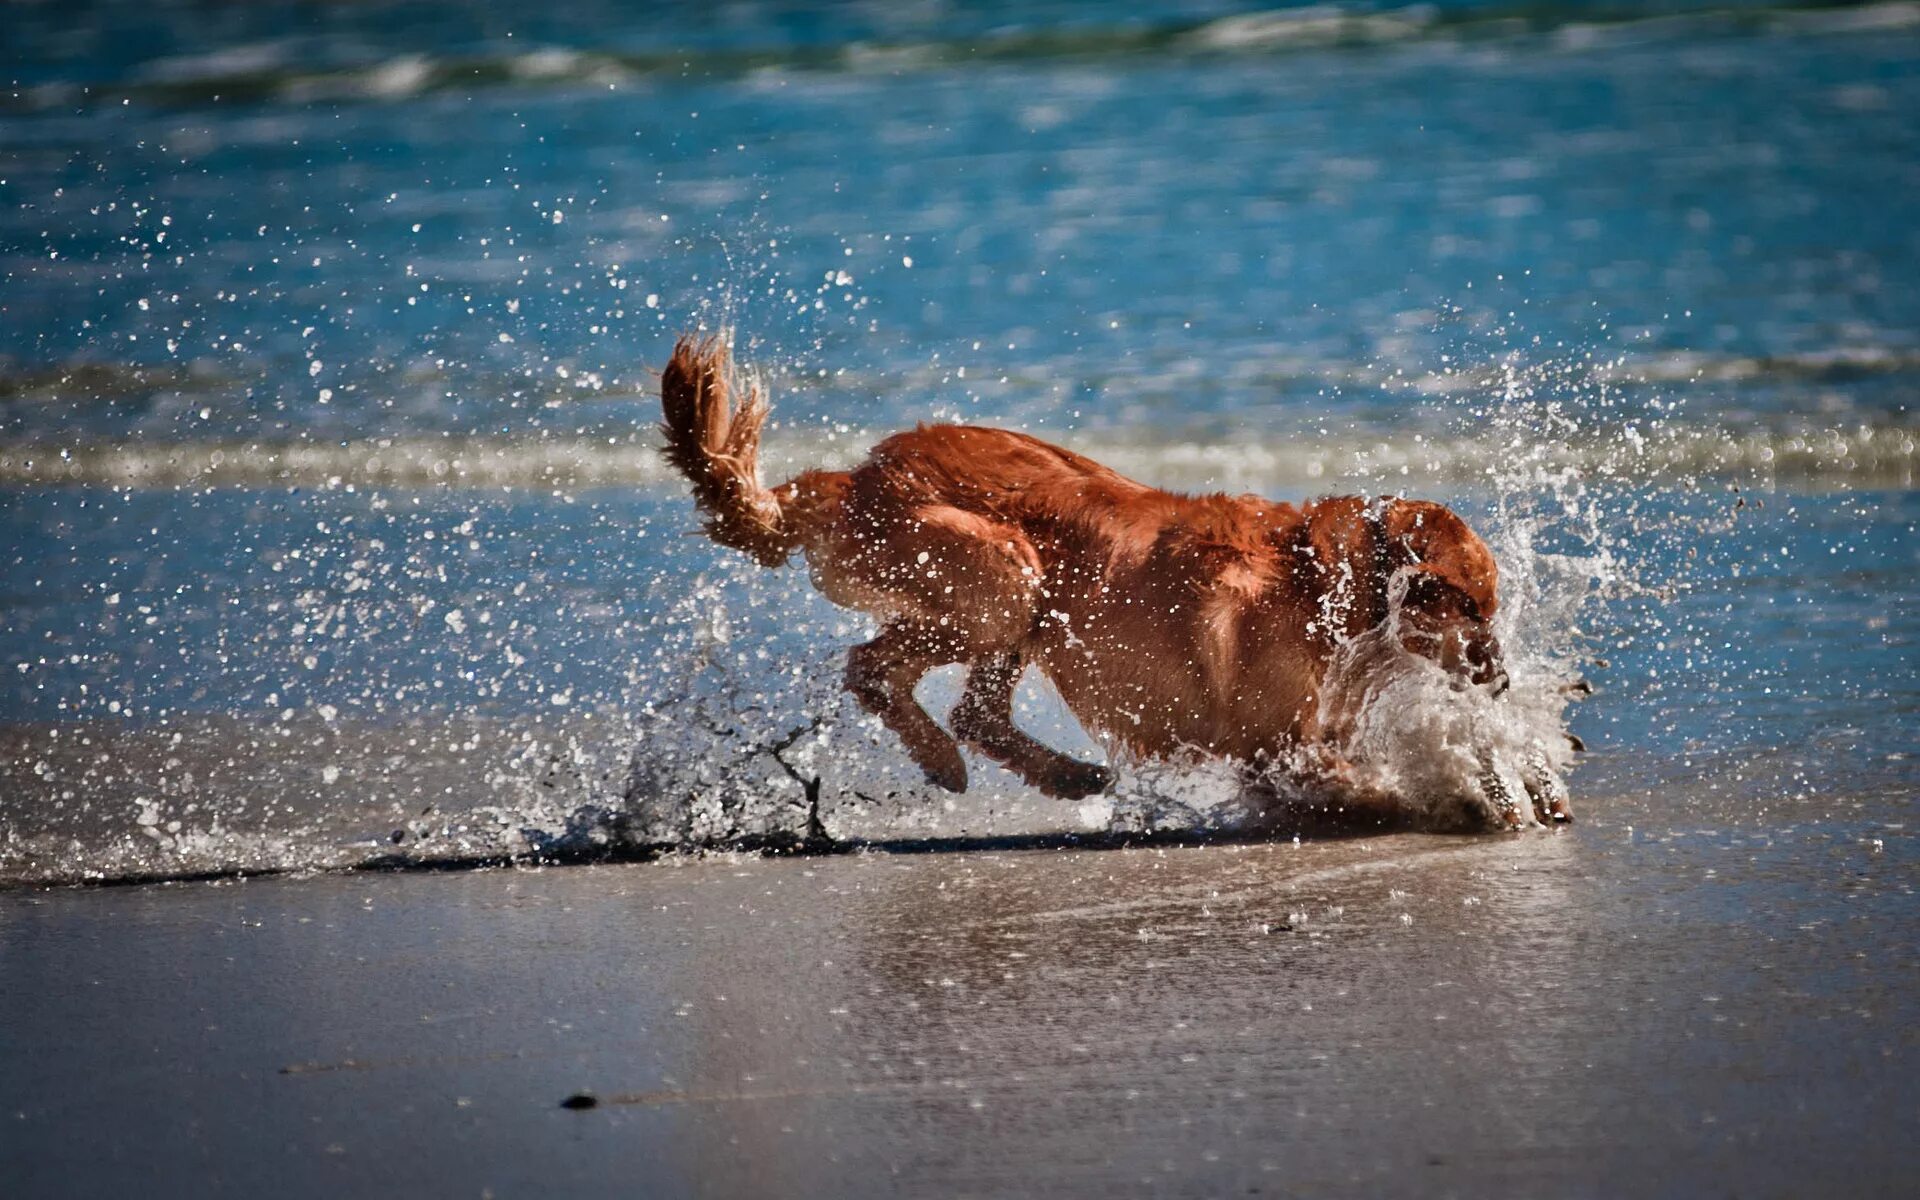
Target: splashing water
[[1461, 757]]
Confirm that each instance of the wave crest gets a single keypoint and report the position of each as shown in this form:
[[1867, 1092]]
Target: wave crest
[[1866, 454], [264, 73]]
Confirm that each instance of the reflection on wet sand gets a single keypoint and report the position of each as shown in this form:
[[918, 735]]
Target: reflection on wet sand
[[1635, 1003], [1078, 1009]]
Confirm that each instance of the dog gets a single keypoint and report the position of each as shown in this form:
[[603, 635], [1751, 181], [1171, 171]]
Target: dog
[[1170, 624]]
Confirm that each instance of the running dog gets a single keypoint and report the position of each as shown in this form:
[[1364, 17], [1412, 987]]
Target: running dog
[[1170, 624]]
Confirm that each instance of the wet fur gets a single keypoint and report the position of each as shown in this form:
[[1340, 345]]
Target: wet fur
[[1170, 624]]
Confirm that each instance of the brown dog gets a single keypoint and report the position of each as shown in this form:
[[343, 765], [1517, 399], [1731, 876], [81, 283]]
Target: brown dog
[[1171, 624]]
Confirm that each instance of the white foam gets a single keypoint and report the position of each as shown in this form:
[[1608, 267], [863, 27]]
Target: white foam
[[1868, 452]]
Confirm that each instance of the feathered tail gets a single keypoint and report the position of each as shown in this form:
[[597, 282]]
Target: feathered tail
[[717, 447]]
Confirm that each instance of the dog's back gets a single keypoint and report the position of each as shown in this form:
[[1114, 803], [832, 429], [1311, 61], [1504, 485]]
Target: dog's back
[[1167, 622]]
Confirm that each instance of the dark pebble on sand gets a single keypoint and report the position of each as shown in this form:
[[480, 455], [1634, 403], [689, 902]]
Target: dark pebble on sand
[[581, 1100]]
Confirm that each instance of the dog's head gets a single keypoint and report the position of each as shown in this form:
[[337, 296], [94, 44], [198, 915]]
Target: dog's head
[[1446, 592], [1450, 621]]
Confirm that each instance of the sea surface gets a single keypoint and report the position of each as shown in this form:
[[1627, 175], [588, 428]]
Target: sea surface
[[332, 531]]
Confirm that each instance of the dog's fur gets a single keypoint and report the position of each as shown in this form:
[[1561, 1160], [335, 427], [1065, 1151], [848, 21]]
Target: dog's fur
[[1170, 624]]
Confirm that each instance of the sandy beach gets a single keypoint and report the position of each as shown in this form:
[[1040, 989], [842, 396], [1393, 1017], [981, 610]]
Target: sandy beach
[[1636, 1005]]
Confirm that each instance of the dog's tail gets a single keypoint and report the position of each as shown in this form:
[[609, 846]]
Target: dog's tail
[[716, 445]]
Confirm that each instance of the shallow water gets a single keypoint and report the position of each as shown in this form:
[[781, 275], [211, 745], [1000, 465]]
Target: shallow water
[[228, 726], [333, 531]]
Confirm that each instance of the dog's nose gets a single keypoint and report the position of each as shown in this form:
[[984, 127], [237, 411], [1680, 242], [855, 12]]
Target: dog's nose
[[1499, 683]]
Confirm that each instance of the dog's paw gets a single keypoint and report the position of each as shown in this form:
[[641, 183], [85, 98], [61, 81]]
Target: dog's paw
[[1076, 781], [1545, 789], [1498, 791], [946, 770]]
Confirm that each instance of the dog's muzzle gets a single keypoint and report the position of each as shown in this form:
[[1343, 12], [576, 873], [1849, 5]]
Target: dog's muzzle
[[1485, 666]]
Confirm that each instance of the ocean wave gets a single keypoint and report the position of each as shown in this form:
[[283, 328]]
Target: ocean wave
[[267, 73], [1858, 455], [1269, 371]]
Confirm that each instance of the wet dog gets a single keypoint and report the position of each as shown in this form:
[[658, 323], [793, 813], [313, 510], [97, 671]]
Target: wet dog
[[1171, 625]]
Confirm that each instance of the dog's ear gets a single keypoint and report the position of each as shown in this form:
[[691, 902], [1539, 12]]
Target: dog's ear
[[1439, 543], [1433, 595]]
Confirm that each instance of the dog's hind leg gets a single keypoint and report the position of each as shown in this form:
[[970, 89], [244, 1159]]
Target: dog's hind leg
[[881, 675], [962, 588], [983, 719]]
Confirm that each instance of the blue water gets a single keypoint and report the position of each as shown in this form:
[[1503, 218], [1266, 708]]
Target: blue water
[[320, 324]]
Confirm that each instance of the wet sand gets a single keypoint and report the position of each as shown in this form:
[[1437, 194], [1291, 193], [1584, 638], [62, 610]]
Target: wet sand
[[1640, 1005]]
